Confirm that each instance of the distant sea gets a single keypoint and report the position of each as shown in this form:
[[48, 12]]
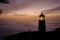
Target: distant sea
[[13, 24]]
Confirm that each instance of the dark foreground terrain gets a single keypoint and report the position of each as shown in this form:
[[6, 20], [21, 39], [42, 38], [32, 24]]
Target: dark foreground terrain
[[34, 35]]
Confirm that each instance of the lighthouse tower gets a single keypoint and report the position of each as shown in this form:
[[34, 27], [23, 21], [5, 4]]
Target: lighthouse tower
[[41, 25]]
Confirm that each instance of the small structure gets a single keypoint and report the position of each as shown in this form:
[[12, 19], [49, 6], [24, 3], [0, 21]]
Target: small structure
[[29, 35]]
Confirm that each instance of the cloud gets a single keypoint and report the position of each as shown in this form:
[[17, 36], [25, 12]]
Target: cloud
[[28, 5], [53, 10]]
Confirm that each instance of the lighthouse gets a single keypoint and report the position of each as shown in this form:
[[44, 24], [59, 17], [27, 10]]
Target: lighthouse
[[41, 24]]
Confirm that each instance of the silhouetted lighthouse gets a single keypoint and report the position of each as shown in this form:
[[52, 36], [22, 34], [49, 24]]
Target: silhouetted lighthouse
[[41, 25]]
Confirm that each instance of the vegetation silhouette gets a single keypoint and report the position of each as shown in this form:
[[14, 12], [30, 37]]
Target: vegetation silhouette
[[4, 1], [35, 35]]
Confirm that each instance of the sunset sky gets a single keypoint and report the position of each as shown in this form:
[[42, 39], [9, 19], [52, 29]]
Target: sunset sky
[[22, 15], [28, 6]]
